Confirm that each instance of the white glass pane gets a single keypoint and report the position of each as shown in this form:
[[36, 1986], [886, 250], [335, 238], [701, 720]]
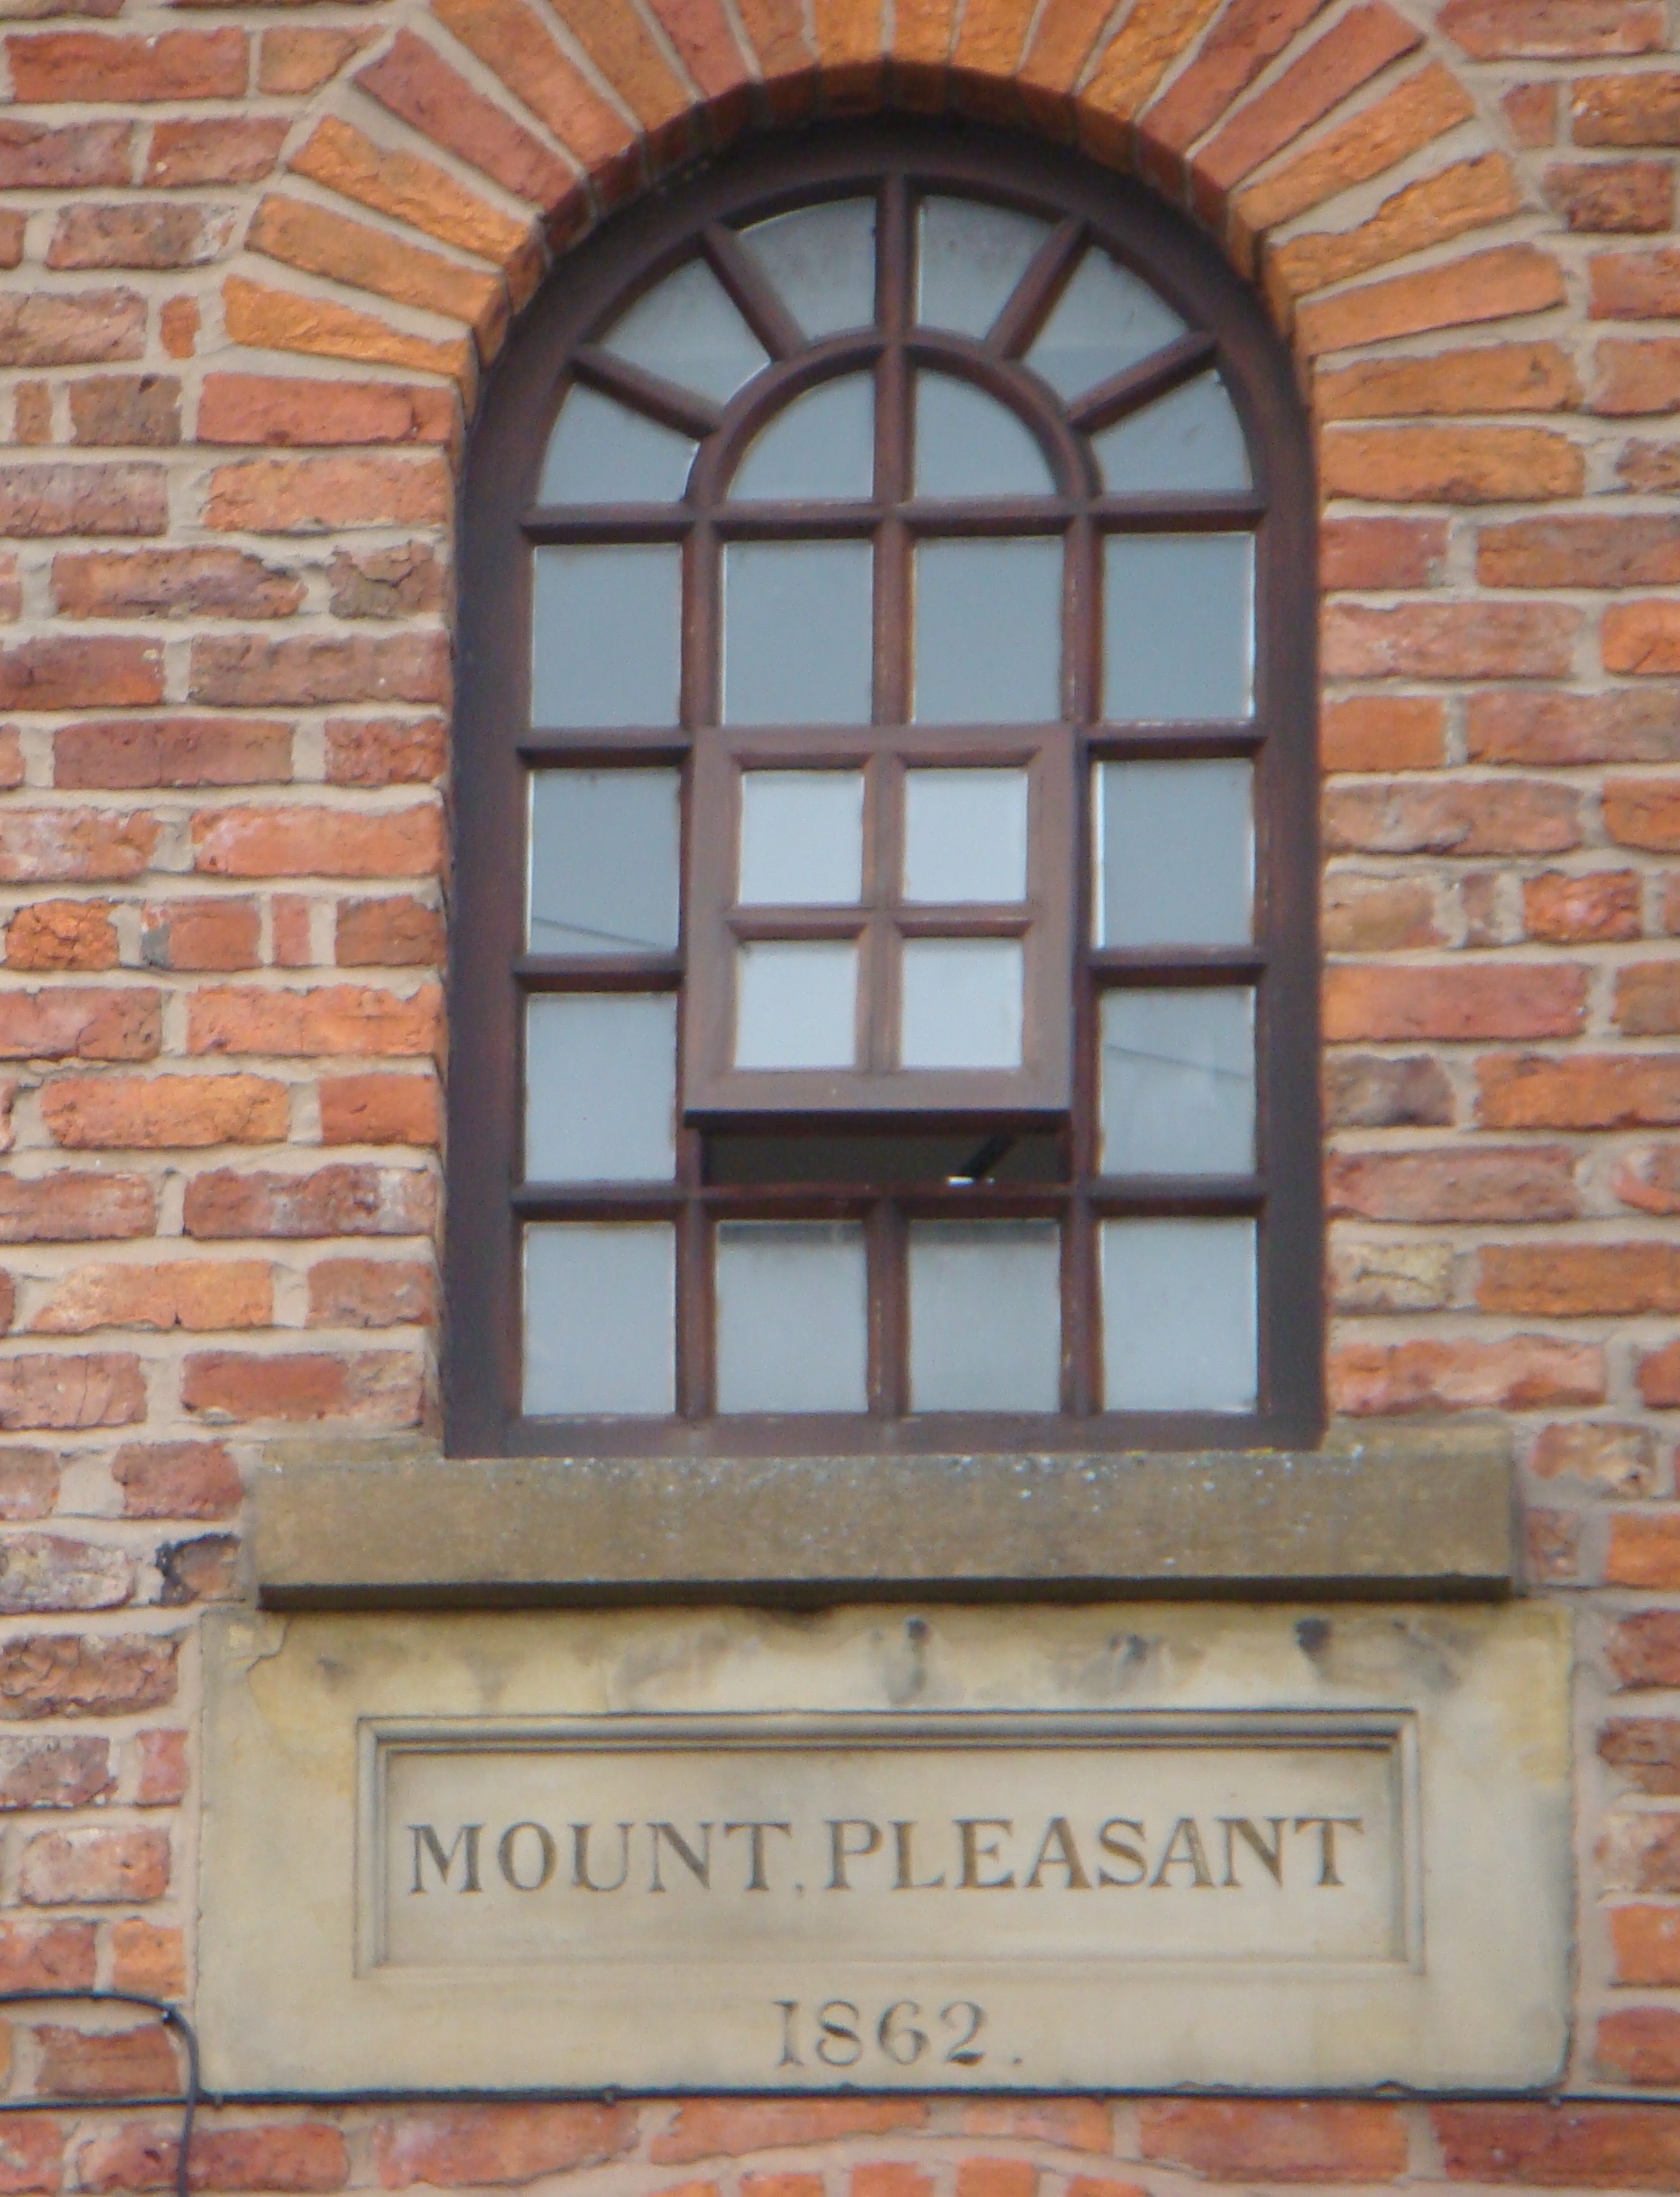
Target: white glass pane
[[970, 259], [797, 628], [962, 1002], [985, 1316], [796, 1004], [604, 453], [988, 632], [1179, 1317], [969, 445], [599, 1317], [793, 1316], [1175, 854], [1190, 442], [604, 863], [686, 330], [601, 1088], [1104, 321], [821, 446], [965, 835], [1179, 1083], [801, 838], [1177, 626], [606, 641], [821, 261]]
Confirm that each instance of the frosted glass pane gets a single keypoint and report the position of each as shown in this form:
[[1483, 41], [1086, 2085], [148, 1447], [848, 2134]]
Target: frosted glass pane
[[985, 1316], [1177, 626], [687, 330], [801, 838], [1179, 1083], [1175, 854], [962, 1002], [971, 258], [604, 453], [604, 863], [969, 445], [1103, 321], [1190, 441], [606, 642], [599, 1317], [798, 624], [822, 446], [793, 1316], [601, 1088], [821, 261], [965, 835], [1178, 1318], [796, 1004], [988, 632]]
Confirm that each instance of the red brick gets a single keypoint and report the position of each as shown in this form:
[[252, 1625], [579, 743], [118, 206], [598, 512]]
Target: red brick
[[1635, 285], [890, 2178], [380, 1110], [71, 328], [31, 2153], [1658, 1377], [127, 753], [1644, 1752], [371, 1294], [1581, 551], [1453, 1005], [1457, 466], [177, 1480], [283, 2157], [69, 1209], [411, 81], [59, 67], [46, 1956], [202, 1296], [728, 2128], [996, 2178], [82, 499], [1489, 378], [1372, 554], [1384, 733], [452, 2148], [1650, 1179], [1608, 1458], [201, 934], [1638, 377], [1641, 1853], [57, 934], [117, 2063], [172, 584], [1640, 2045], [296, 496], [127, 409], [393, 933], [60, 1674], [342, 1019], [1363, 914], [1649, 468], [383, 1387], [43, 846], [291, 923], [1647, 999], [1348, 55], [1521, 1373], [80, 675], [1642, 638], [162, 1776], [29, 1484], [135, 234], [1575, 1281], [287, 842], [1554, 729], [1600, 908], [93, 1388], [348, 1198], [34, 156], [1646, 1945], [1604, 197], [385, 750], [1531, 112], [294, 62], [1626, 110], [80, 1023], [1449, 640], [179, 323], [241, 149], [1456, 1183], [1510, 816], [1551, 2146], [1553, 30], [1644, 1649], [789, 2183], [1583, 1092], [52, 1773], [252, 672], [148, 1957], [1276, 2140], [94, 1867], [271, 410]]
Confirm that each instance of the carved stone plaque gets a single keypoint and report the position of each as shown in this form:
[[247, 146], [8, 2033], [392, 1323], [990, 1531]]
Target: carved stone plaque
[[1105, 1848]]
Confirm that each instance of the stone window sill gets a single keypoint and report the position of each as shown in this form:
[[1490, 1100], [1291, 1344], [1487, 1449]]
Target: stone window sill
[[1379, 1511]]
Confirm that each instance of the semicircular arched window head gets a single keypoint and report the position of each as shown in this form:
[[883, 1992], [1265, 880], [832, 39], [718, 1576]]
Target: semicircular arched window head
[[884, 980]]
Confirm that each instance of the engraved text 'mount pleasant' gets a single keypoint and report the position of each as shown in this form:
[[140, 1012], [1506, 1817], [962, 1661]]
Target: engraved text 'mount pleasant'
[[743, 1839]]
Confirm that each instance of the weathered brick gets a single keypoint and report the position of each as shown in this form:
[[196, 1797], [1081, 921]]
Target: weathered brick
[[382, 1387], [112, 754], [94, 1867], [69, 1208], [188, 155], [41, 1572], [205, 1569], [200, 1295], [1384, 733], [1459, 466], [1596, 909], [134, 2062], [53, 1773], [1279, 2140], [252, 671], [291, 2159], [1363, 914], [1649, 468], [80, 675], [371, 1294], [81, 1023], [1647, 999], [380, 1110], [347, 1199], [390, 751], [1561, 729], [319, 241], [406, 582], [293, 62], [1644, 1649], [207, 933], [96, 1389], [1071, 2124], [163, 1773], [320, 494], [1610, 1458], [144, 410], [1553, 30], [46, 1956], [395, 931], [1626, 110], [1581, 551], [80, 156], [730, 2127], [1449, 640], [1385, 1092], [71, 328], [1604, 197], [1489, 378], [1521, 1373], [1508, 816], [172, 584], [1468, 195], [57, 934], [1638, 2044], [1657, 1376], [29, 1483], [32, 2158], [49, 846], [286, 843], [1649, 1179], [271, 410], [92, 66], [267, 319], [177, 1480], [460, 2147], [344, 1018], [136, 233], [1456, 1183], [83, 499]]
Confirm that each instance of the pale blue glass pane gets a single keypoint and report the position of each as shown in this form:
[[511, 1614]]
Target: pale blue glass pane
[[687, 330], [821, 446], [985, 1316], [601, 1088], [604, 453], [606, 641], [1190, 442], [969, 445], [821, 261], [988, 632], [801, 838], [604, 863], [793, 1316], [797, 628], [796, 1004], [1175, 854], [1177, 626], [1177, 1083], [600, 1319], [966, 835], [1104, 321], [1178, 1316], [962, 1003], [970, 259]]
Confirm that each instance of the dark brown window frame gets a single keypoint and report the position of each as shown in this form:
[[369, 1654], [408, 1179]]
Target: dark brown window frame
[[491, 973]]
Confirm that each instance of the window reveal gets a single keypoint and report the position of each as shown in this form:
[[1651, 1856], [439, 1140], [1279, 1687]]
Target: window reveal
[[901, 995]]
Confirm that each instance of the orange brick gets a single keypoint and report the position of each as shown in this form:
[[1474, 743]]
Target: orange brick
[[297, 61], [1496, 285], [1578, 1280], [1416, 112], [1626, 110], [55, 68], [1490, 378], [1642, 638], [1453, 1005], [1580, 1091], [1599, 908], [370, 1387], [380, 1110], [1638, 2044], [1285, 2140], [1522, 1372], [265, 319], [295, 842], [1646, 1943], [89, 1113], [50, 934], [1468, 196], [321, 243], [1384, 733], [340, 1018], [202, 1295], [1604, 197]]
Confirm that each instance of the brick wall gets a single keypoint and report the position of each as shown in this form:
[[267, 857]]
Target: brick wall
[[256, 260]]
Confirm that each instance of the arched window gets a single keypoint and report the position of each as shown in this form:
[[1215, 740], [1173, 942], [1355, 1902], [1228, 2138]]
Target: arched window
[[883, 969]]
